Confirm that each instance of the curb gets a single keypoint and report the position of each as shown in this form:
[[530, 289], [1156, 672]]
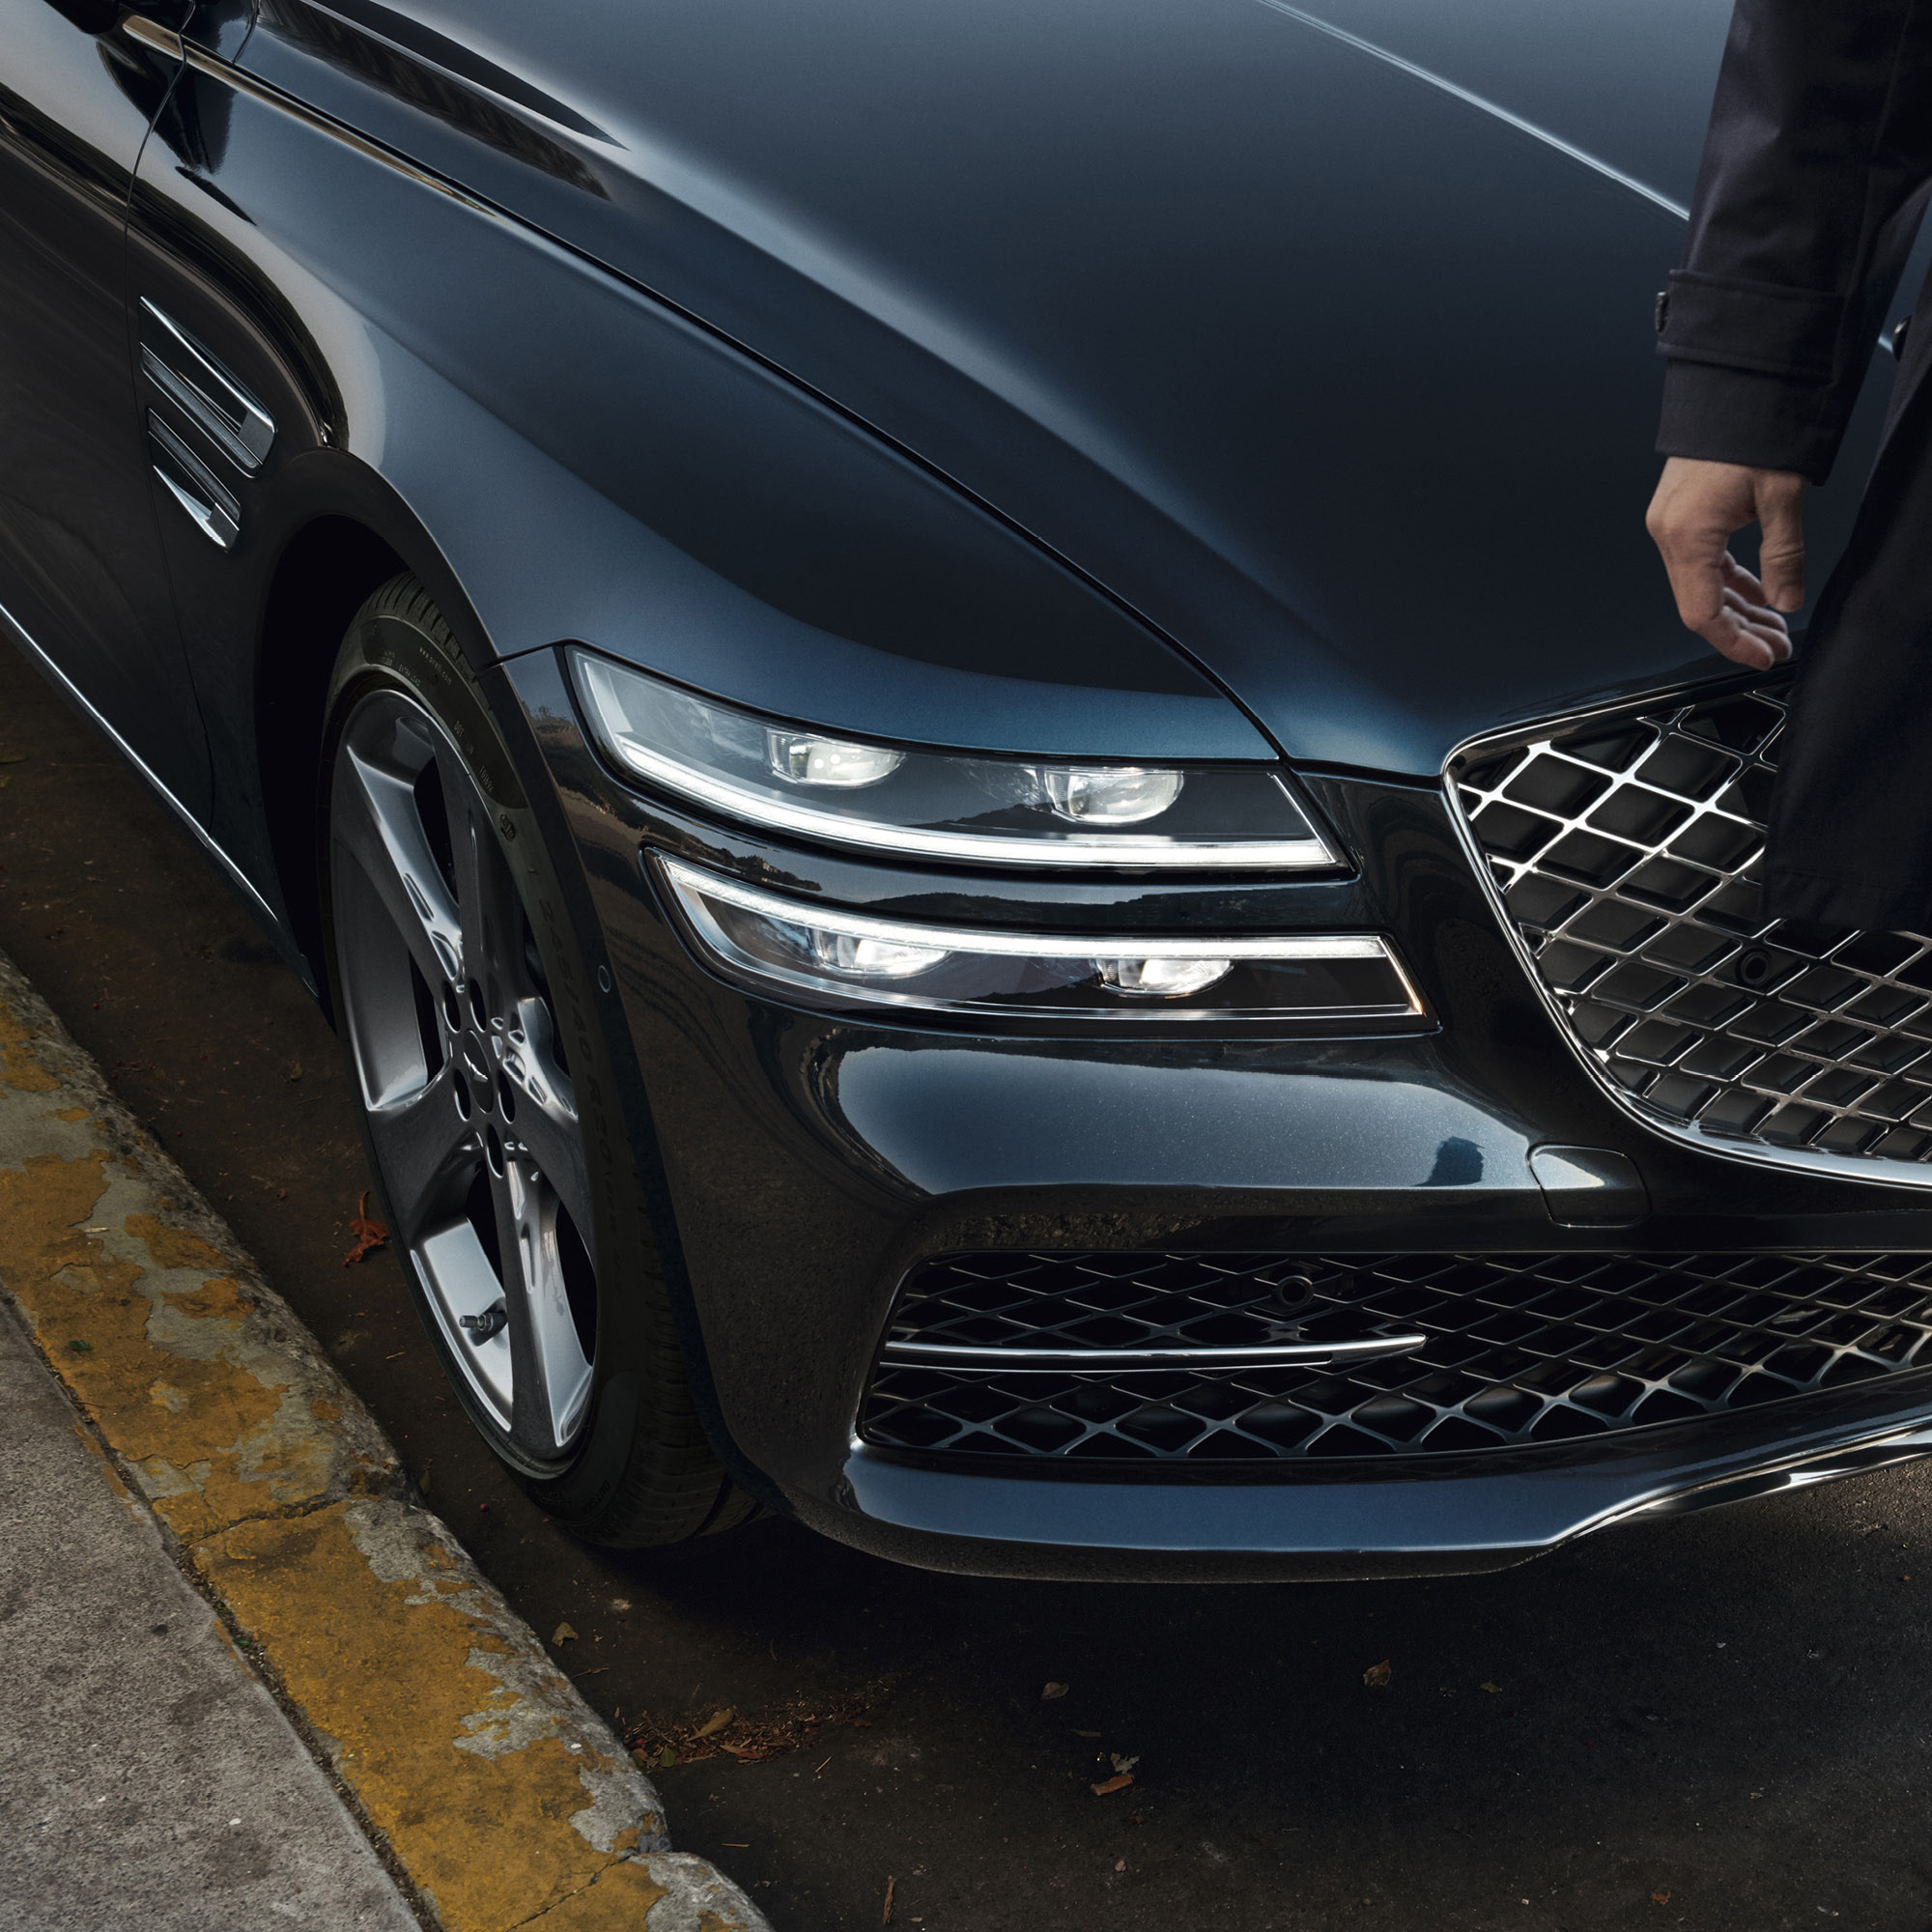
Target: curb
[[495, 1793]]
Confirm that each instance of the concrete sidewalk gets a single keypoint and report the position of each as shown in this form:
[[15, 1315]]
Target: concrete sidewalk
[[333, 1663], [147, 1778]]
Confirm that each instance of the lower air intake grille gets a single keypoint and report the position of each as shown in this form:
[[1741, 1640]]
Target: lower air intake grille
[[1627, 855], [1494, 1350]]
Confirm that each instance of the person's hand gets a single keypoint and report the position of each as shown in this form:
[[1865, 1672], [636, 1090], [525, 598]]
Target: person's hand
[[1696, 509]]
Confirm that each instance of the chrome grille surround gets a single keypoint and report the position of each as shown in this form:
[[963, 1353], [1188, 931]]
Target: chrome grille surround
[[1503, 1351], [1623, 850]]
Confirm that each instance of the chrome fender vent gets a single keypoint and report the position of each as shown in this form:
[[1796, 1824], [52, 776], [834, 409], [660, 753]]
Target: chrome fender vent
[[215, 404]]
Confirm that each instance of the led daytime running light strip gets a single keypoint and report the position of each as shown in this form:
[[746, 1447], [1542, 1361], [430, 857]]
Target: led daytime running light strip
[[691, 884], [759, 807]]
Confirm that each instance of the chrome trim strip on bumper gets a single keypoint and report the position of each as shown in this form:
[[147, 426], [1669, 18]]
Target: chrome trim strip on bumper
[[1144, 1361]]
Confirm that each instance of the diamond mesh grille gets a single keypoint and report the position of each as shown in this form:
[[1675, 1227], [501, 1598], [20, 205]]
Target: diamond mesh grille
[[1520, 1348], [1627, 854]]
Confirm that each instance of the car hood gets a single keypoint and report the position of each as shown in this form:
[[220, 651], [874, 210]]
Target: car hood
[[1320, 336]]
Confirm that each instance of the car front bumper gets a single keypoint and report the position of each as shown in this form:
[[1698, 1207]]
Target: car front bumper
[[803, 1164], [1440, 1516]]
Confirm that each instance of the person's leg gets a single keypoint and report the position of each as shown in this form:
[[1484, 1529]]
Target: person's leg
[[1851, 822]]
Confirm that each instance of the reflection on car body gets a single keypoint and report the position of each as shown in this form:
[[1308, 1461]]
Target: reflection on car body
[[913, 685]]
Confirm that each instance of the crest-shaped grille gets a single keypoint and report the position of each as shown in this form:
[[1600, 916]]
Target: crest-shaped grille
[[1627, 855]]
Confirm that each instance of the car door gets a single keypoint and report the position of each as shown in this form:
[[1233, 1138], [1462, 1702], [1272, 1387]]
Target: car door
[[81, 572]]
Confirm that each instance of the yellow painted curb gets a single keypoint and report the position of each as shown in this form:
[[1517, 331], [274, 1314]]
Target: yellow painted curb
[[501, 1796]]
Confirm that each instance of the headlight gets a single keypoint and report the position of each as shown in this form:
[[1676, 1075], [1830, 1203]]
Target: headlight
[[934, 805], [827, 956]]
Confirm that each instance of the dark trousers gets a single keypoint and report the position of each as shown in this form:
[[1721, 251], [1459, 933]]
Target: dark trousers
[[1851, 820]]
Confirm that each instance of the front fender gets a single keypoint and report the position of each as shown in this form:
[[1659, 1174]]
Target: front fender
[[590, 464]]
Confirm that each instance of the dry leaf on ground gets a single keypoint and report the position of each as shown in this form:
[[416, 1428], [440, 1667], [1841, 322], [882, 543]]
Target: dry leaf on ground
[[1489, 1687], [563, 1634], [750, 1738], [1056, 1691], [1378, 1675], [1120, 1781], [367, 1234]]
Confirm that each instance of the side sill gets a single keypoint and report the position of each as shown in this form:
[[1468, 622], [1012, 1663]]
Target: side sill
[[230, 870]]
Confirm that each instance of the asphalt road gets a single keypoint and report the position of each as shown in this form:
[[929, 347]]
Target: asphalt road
[[1717, 1720]]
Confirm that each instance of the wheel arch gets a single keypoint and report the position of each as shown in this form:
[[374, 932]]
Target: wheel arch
[[325, 572], [342, 533]]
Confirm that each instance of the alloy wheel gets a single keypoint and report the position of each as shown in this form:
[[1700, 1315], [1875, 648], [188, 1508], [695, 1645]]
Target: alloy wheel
[[466, 1087]]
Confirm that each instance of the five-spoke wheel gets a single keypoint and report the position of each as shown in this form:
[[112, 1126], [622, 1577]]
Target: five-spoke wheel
[[499, 1090], [469, 1096]]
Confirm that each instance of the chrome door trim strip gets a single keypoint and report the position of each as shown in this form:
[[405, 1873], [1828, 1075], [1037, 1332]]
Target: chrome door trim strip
[[236, 876], [1142, 1361], [163, 40], [271, 96], [1840, 1167]]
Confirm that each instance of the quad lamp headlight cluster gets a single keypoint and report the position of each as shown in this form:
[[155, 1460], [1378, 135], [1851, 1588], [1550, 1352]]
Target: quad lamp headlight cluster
[[904, 803], [941, 805], [829, 955]]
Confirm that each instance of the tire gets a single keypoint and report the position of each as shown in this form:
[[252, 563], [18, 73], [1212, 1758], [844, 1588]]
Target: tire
[[484, 1079]]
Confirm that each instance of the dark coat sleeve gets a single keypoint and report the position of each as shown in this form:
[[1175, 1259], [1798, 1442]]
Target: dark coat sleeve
[[1818, 148]]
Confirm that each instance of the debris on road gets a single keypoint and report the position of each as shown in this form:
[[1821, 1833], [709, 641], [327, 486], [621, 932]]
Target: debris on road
[[1120, 1781], [796, 1726], [1378, 1675], [367, 1234], [1055, 1691]]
